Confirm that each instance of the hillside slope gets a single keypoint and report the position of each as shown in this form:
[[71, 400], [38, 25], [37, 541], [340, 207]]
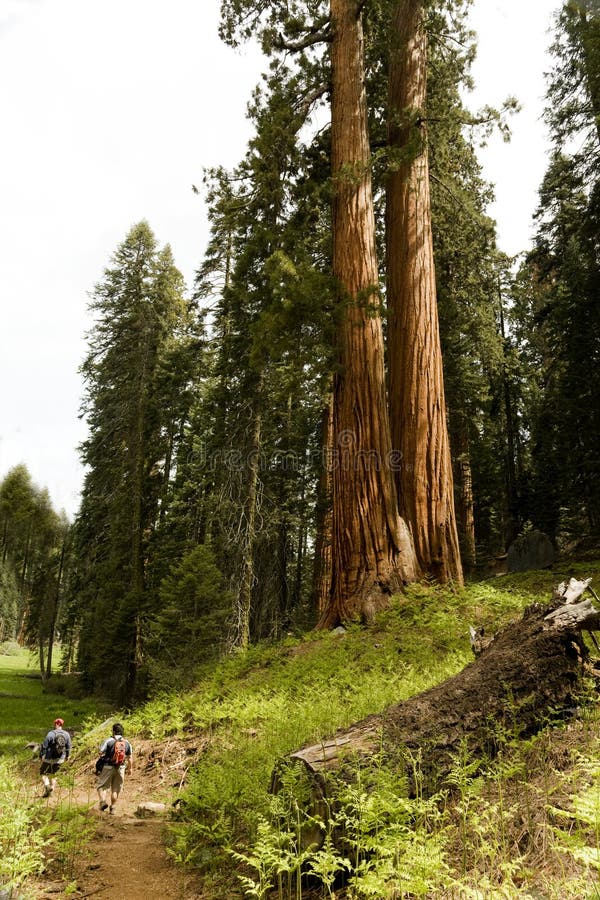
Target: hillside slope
[[527, 825]]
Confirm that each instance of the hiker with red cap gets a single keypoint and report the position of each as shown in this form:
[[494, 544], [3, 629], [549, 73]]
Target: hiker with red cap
[[54, 752]]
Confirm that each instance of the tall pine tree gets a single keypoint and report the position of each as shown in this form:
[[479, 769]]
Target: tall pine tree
[[140, 314]]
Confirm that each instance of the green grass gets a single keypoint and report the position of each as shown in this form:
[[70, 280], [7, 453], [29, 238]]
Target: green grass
[[27, 712]]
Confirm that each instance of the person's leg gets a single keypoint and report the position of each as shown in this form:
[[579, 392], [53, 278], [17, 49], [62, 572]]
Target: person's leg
[[103, 786], [44, 769], [116, 787]]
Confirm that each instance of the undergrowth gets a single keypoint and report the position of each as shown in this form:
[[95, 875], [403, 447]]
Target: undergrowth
[[22, 841], [495, 834]]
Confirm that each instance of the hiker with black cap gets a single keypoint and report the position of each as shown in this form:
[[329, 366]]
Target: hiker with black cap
[[114, 761], [54, 752]]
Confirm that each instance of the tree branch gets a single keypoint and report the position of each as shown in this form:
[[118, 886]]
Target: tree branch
[[311, 98], [320, 33]]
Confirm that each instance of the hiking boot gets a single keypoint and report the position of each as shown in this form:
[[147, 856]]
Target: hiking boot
[[112, 811], [103, 806], [47, 791]]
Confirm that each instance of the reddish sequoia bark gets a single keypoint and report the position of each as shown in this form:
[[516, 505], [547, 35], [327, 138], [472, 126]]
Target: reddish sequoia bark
[[372, 552], [417, 403]]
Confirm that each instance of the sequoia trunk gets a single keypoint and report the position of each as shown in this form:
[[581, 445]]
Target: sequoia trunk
[[417, 403], [372, 553]]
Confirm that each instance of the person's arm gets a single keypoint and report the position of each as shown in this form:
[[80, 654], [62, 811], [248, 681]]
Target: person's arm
[[68, 745], [45, 744], [129, 758]]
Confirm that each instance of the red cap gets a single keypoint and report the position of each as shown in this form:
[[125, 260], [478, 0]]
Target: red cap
[[59, 722]]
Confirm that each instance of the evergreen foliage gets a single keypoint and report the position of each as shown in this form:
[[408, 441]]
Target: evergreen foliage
[[203, 512], [573, 109], [556, 309], [31, 564], [135, 404], [9, 599], [263, 272], [207, 418], [221, 445], [190, 623]]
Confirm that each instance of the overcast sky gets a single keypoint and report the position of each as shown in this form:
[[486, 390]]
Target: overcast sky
[[110, 111]]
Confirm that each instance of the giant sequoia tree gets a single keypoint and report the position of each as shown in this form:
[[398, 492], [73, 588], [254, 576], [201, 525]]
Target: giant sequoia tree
[[417, 400], [176, 458], [371, 546], [365, 540]]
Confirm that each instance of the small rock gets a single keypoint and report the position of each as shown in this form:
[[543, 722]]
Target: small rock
[[150, 809]]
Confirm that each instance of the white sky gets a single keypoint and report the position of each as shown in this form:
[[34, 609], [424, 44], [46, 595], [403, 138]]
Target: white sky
[[513, 39], [109, 111]]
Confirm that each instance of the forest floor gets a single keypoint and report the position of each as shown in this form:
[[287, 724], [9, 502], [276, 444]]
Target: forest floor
[[123, 853]]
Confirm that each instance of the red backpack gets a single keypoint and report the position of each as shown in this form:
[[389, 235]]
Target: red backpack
[[118, 752]]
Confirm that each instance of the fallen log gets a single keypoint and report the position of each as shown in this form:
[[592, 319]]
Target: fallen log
[[528, 673]]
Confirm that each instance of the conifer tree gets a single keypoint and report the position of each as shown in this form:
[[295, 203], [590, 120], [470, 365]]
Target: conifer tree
[[573, 91], [9, 597], [284, 32], [264, 272], [140, 315], [417, 397], [556, 310], [372, 550], [33, 536], [30, 533]]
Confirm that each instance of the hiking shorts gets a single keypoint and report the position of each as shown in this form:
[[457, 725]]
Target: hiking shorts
[[111, 777], [48, 767]]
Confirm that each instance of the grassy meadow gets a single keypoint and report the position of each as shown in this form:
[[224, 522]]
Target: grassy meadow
[[27, 711]]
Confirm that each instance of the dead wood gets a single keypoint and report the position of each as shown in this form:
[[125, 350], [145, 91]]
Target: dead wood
[[529, 673]]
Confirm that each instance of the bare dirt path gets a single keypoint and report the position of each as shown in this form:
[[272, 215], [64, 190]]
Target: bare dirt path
[[126, 853]]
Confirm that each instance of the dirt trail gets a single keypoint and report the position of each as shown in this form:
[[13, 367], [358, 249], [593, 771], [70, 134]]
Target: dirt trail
[[126, 855]]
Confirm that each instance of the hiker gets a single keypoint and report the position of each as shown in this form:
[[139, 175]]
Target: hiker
[[115, 759], [54, 752]]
